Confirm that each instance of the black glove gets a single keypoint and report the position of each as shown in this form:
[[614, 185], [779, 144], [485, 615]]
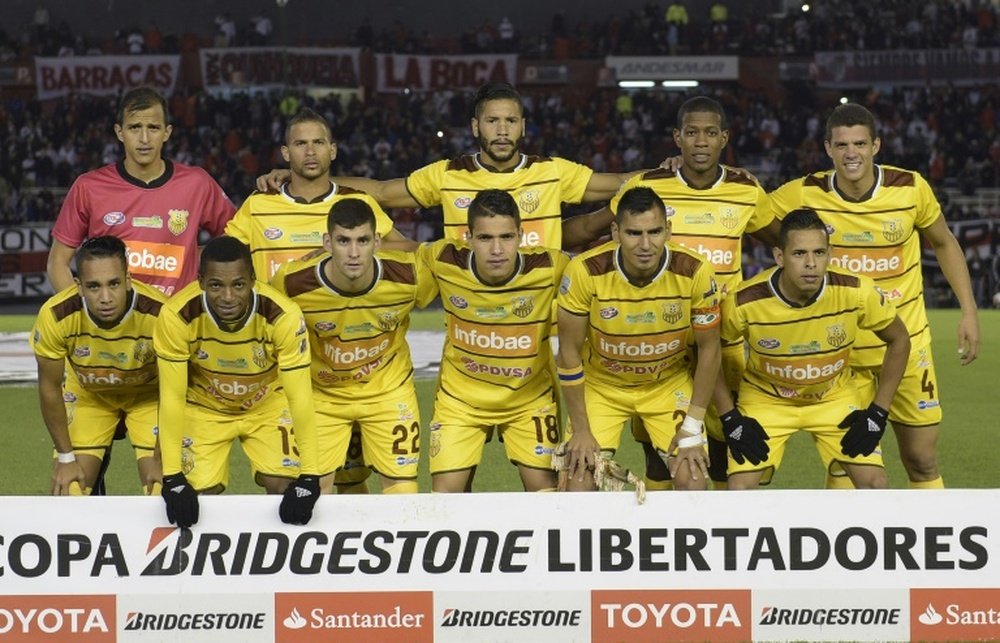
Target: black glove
[[745, 437], [864, 430], [181, 499], [300, 497]]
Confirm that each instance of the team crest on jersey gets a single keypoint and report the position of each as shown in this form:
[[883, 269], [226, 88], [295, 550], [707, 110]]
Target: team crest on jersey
[[177, 221], [388, 320], [672, 313], [143, 351], [522, 306], [893, 230], [836, 335], [258, 356], [114, 218], [729, 219], [528, 201]]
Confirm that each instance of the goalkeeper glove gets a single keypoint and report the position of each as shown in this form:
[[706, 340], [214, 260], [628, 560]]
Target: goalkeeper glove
[[181, 499], [745, 437], [864, 430], [300, 497]]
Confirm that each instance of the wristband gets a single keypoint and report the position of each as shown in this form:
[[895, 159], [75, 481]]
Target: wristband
[[691, 426], [570, 376], [65, 458], [691, 441]]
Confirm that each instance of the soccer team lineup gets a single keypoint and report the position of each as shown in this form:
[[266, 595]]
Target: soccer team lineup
[[287, 330]]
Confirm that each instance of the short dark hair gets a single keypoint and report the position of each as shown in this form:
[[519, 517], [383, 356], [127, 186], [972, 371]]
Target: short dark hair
[[493, 203], [225, 249], [307, 115], [702, 104], [138, 99], [497, 91], [638, 200], [100, 248], [349, 214], [849, 115], [801, 219]]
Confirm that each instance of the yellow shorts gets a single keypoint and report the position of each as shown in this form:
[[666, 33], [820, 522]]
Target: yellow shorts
[[661, 406], [782, 420], [354, 471], [93, 418], [916, 402], [265, 434], [735, 363], [390, 433], [459, 431]]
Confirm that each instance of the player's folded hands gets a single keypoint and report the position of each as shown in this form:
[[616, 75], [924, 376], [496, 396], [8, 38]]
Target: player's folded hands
[[299, 499], [745, 437]]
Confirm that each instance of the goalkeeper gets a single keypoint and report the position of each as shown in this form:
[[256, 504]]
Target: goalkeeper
[[800, 320]]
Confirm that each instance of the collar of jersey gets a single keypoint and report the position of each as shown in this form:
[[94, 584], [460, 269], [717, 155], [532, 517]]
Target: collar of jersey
[[128, 310], [864, 197], [663, 266], [517, 270], [719, 178], [323, 197], [773, 283], [490, 168], [215, 320], [168, 171], [321, 275]]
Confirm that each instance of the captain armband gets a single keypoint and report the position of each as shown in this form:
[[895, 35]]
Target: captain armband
[[571, 376]]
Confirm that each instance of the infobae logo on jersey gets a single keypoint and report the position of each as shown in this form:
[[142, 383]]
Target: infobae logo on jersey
[[831, 615], [361, 617], [954, 614], [653, 616], [84, 618], [155, 259], [553, 617], [513, 340]]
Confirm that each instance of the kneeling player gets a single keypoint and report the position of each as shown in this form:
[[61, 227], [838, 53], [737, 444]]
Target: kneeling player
[[233, 362], [496, 369], [800, 320], [625, 310], [103, 329], [357, 309]]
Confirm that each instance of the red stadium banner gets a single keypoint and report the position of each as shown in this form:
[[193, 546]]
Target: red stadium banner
[[104, 75], [842, 69], [396, 73], [273, 67]]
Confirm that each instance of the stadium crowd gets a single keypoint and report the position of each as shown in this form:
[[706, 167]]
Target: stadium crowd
[[656, 28], [45, 147]]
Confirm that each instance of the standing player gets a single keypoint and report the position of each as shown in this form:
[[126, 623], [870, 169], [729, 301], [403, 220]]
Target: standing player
[[877, 215], [801, 319], [539, 185], [496, 370], [357, 309], [103, 329], [713, 206], [233, 362], [626, 309], [155, 205], [289, 224]]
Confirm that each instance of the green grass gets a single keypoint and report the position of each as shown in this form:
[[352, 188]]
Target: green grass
[[966, 455]]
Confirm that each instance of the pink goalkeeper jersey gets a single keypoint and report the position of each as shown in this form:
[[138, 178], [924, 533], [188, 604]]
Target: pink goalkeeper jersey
[[159, 222]]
